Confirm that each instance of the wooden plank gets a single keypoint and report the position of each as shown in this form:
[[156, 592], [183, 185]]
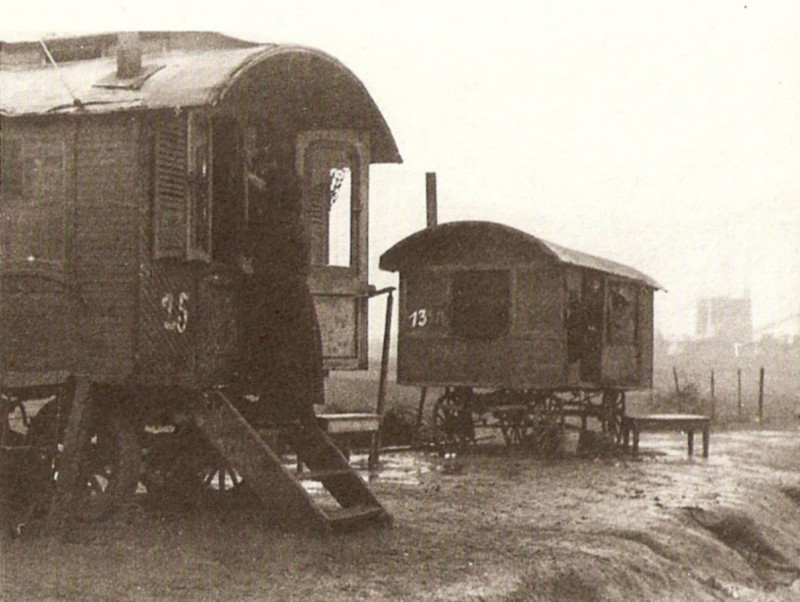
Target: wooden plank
[[263, 470], [335, 424], [69, 479]]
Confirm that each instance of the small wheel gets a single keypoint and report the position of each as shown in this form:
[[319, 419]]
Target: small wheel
[[453, 429], [514, 426], [546, 414], [613, 412]]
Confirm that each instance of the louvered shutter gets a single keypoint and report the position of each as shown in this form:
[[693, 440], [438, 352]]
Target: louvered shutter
[[170, 227]]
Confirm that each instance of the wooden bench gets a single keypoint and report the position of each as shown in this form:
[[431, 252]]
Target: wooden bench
[[666, 422]]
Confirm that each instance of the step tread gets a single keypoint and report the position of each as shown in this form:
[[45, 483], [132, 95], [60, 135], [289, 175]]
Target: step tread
[[354, 514], [319, 475]]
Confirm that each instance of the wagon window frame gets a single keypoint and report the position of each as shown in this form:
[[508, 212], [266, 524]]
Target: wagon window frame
[[483, 316], [622, 316], [183, 192], [324, 215]]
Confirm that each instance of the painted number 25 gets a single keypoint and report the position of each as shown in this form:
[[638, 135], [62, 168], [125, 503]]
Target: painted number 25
[[419, 318], [177, 313]]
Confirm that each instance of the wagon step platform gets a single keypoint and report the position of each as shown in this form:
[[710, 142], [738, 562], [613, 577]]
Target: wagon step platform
[[279, 488]]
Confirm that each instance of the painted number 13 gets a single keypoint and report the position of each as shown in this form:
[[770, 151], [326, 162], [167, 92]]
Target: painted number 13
[[419, 318]]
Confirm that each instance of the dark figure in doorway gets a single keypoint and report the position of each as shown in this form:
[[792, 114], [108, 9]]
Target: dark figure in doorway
[[280, 330], [576, 327]]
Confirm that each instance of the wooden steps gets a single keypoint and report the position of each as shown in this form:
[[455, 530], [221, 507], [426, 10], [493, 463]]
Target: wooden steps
[[279, 488]]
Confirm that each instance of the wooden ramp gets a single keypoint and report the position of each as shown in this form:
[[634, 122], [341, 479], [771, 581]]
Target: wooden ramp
[[278, 487]]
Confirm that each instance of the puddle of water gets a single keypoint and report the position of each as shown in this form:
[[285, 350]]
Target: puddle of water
[[400, 468]]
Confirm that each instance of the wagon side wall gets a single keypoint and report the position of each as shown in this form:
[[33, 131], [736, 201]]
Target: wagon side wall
[[529, 354], [70, 201], [105, 249], [646, 326]]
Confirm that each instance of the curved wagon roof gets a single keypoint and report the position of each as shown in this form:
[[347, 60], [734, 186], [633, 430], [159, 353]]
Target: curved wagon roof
[[422, 246], [198, 71]]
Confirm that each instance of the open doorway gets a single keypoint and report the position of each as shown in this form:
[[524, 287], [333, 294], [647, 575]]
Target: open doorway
[[593, 303]]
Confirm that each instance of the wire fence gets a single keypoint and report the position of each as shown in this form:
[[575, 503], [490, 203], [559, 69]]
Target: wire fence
[[751, 391]]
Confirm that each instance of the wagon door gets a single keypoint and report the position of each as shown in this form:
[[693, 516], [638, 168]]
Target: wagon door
[[334, 167]]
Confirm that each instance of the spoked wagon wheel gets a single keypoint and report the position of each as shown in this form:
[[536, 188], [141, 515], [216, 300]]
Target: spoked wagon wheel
[[613, 413], [109, 471], [182, 467], [514, 426], [546, 412], [453, 429]]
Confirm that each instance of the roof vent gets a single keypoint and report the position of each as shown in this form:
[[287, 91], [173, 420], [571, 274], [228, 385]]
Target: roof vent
[[129, 55]]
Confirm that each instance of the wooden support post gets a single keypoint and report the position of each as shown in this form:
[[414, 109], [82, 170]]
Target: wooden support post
[[761, 395], [375, 445], [713, 397], [75, 437], [431, 208], [739, 392], [675, 378], [423, 393]]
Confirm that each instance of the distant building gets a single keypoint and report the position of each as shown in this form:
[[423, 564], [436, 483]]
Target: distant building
[[726, 319]]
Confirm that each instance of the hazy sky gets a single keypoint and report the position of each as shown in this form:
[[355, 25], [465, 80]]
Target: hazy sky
[[661, 134]]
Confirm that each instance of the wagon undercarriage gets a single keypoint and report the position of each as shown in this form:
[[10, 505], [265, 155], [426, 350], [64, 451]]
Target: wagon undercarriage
[[535, 420], [180, 446]]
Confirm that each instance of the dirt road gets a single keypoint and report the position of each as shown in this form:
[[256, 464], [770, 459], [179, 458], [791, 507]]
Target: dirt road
[[485, 526]]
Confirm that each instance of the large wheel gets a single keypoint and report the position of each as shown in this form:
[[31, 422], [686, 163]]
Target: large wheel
[[613, 411], [453, 428], [110, 466]]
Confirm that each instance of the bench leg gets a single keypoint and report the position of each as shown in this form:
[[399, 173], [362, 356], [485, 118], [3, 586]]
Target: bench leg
[[690, 438], [626, 436], [374, 454], [706, 439], [635, 449]]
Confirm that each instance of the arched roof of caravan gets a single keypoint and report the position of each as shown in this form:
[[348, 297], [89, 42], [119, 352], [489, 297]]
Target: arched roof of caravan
[[198, 71], [453, 238]]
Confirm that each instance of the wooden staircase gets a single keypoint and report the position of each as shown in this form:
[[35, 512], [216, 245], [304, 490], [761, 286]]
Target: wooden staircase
[[278, 487]]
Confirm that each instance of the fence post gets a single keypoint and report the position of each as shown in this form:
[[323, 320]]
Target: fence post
[[713, 397], [739, 391], [761, 395]]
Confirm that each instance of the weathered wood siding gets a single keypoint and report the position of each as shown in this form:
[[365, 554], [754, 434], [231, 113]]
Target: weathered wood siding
[[69, 213], [531, 354], [104, 242], [38, 303], [646, 338]]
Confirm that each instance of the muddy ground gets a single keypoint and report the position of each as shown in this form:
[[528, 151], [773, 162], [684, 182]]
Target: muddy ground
[[487, 525]]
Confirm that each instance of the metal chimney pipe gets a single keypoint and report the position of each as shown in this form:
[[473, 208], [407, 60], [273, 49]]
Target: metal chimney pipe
[[430, 199], [129, 55]]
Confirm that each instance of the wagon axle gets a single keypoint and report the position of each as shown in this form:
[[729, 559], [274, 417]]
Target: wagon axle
[[534, 420]]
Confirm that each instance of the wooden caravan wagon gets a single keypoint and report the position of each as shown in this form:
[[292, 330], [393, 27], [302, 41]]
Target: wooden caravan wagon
[[125, 201], [519, 332]]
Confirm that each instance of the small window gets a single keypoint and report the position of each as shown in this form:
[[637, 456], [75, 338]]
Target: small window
[[331, 186], [182, 216], [480, 304], [622, 302]]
